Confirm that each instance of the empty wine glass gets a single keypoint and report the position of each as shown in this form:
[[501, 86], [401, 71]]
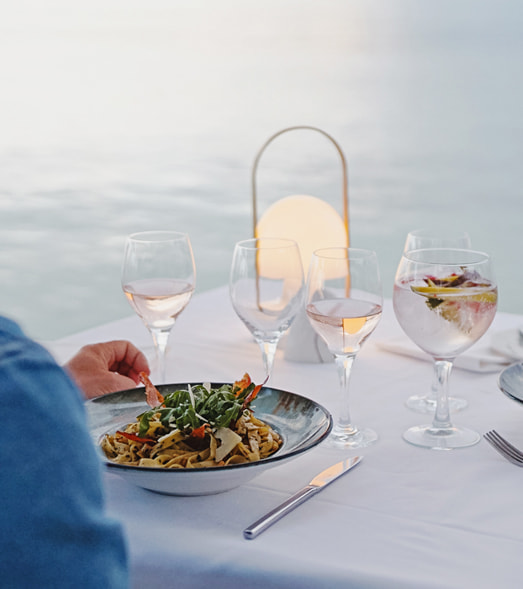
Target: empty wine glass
[[433, 238], [266, 289], [158, 279], [444, 300], [344, 305], [419, 239]]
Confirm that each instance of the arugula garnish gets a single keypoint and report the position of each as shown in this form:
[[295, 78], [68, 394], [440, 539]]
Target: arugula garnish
[[188, 409]]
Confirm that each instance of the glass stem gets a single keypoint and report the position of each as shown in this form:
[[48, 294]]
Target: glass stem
[[442, 414], [434, 387], [344, 366], [268, 349], [160, 338]]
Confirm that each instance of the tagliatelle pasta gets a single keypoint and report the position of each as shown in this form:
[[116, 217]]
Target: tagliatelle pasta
[[195, 428]]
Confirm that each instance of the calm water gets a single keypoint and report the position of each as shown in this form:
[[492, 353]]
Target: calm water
[[123, 116]]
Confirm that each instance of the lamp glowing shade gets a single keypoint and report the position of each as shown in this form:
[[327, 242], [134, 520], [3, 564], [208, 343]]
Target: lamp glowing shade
[[309, 221]]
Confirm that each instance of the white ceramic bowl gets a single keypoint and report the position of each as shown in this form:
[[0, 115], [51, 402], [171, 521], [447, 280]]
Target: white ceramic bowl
[[301, 423]]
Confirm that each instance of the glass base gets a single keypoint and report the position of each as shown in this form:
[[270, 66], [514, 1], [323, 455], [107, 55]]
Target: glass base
[[426, 404], [347, 439], [427, 436]]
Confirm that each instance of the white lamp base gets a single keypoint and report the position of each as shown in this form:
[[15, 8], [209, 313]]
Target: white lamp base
[[303, 344]]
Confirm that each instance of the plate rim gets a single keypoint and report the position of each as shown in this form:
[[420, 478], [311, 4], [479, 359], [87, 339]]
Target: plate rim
[[502, 374]]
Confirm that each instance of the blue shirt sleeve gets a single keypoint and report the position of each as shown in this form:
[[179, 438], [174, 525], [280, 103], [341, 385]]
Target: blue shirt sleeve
[[54, 529]]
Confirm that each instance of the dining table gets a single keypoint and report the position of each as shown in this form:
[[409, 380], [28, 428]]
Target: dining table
[[405, 517]]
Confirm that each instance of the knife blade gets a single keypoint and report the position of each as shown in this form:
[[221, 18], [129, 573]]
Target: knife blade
[[318, 483]]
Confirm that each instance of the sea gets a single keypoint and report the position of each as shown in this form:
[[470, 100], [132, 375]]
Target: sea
[[119, 116]]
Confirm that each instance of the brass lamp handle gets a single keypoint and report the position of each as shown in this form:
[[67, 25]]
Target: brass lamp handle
[[345, 179]]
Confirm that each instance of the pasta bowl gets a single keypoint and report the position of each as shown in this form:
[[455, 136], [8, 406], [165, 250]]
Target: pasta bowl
[[301, 423]]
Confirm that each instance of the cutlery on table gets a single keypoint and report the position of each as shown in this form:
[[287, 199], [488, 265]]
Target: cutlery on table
[[319, 482], [505, 448]]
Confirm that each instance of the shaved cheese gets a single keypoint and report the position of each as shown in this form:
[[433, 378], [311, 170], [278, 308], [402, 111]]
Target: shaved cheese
[[191, 395], [229, 440], [173, 436]]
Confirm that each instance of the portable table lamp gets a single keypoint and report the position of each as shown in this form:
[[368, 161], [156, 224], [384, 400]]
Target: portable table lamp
[[313, 224]]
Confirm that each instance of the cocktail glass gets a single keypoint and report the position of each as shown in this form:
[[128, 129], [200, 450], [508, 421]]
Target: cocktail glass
[[424, 239], [444, 300]]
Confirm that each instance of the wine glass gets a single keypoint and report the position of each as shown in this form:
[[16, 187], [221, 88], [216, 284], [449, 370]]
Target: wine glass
[[344, 305], [158, 279], [433, 238], [266, 288], [444, 299], [423, 239]]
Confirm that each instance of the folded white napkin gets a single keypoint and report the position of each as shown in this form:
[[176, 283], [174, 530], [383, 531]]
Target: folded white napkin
[[508, 343], [476, 359]]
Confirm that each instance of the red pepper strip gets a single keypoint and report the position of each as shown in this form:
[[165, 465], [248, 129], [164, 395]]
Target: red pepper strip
[[136, 438], [199, 432], [252, 395], [153, 396], [241, 385]]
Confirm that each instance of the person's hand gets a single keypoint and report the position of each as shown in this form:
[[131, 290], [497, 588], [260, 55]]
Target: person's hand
[[107, 367]]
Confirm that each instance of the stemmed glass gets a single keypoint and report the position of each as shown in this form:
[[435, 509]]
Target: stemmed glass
[[266, 289], [158, 279], [344, 305], [434, 238], [444, 299]]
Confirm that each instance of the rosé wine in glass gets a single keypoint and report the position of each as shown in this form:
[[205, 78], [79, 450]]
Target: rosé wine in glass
[[158, 279], [344, 304], [158, 301], [344, 323]]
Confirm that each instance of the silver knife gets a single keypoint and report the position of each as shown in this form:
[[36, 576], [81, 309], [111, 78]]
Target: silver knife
[[317, 484]]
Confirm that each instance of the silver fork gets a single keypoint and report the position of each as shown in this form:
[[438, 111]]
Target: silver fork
[[504, 447]]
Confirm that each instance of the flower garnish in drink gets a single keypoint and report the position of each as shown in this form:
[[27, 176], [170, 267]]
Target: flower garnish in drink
[[459, 298]]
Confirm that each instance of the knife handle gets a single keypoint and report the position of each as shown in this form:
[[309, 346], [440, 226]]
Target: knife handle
[[277, 513]]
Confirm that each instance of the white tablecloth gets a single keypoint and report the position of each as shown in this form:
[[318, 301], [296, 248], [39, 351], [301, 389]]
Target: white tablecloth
[[405, 517]]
